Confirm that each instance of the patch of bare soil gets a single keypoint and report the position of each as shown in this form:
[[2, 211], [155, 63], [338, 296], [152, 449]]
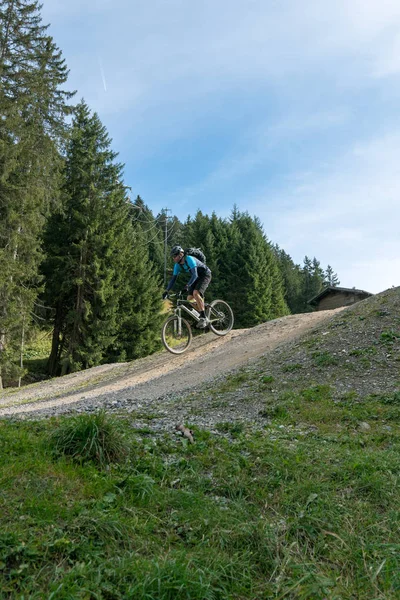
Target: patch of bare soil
[[161, 374]]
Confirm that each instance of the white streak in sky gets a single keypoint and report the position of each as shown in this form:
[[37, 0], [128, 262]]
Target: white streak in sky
[[102, 75]]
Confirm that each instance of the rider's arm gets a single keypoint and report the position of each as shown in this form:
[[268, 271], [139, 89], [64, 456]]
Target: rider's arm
[[172, 282], [194, 276], [175, 274]]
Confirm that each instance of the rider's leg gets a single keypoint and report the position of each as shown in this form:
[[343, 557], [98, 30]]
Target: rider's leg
[[199, 300]]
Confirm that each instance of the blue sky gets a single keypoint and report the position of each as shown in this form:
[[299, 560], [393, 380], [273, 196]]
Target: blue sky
[[288, 109]]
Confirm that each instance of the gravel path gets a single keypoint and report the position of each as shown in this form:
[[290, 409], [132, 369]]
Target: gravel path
[[147, 383]]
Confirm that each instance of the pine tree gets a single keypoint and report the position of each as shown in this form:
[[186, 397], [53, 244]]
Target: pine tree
[[317, 279], [220, 256], [292, 278], [307, 284], [313, 281], [198, 233], [253, 277], [139, 312], [33, 107], [331, 278], [89, 246]]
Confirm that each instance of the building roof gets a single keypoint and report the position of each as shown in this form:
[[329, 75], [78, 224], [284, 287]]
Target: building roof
[[333, 289]]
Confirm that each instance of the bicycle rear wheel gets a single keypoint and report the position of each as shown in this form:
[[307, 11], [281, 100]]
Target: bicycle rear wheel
[[176, 335], [221, 317]]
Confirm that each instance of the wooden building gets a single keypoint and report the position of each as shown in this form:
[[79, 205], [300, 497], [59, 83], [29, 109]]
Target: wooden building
[[333, 297]]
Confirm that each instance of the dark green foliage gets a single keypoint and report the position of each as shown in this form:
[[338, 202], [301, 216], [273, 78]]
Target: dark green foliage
[[84, 438], [292, 279], [104, 258], [98, 275], [139, 314], [313, 281], [253, 278], [301, 284], [85, 245], [32, 127], [244, 268]]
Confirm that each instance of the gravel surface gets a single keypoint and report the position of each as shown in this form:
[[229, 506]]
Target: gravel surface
[[148, 382], [356, 351]]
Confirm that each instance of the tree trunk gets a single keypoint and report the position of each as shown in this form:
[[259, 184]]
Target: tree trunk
[[52, 365], [21, 356]]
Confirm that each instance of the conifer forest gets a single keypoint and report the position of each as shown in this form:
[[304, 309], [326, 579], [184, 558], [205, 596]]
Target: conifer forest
[[83, 264]]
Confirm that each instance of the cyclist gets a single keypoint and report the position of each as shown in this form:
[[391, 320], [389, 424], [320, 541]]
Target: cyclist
[[198, 283]]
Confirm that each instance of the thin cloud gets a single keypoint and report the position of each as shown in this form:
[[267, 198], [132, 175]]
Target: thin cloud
[[308, 89], [352, 215], [102, 75]]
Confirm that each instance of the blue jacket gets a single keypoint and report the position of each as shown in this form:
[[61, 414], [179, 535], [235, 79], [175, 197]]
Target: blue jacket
[[191, 265]]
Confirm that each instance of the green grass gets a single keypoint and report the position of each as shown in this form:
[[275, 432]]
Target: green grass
[[388, 337], [304, 508], [36, 355], [232, 382], [324, 359], [88, 437]]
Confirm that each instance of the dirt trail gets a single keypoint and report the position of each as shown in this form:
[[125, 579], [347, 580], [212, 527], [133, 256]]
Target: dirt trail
[[163, 373]]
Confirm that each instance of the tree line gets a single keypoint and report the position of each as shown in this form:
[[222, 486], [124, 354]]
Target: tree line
[[78, 257]]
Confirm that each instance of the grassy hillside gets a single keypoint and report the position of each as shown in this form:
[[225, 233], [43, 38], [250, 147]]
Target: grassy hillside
[[300, 502]]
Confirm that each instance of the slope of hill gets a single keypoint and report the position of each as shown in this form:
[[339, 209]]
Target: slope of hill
[[352, 353], [289, 491]]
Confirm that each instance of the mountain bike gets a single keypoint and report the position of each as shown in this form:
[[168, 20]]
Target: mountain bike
[[176, 333]]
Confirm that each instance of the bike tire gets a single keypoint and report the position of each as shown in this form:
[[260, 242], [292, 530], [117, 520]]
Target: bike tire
[[221, 317], [174, 341]]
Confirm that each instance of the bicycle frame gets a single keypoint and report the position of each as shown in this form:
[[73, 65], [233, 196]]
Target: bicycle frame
[[177, 340], [181, 306]]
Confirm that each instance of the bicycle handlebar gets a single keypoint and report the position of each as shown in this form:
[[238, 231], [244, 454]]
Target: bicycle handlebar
[[179, 294]]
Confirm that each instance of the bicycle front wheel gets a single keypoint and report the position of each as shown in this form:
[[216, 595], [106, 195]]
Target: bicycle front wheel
[[221, 317], [176, 335]]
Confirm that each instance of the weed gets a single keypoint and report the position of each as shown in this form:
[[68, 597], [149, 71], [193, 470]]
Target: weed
[[389, 337], [349, 397], [311, 342], [275, 411], [267, 379], [324, 359], [371, 350], [316, 393], [385, 399], [234, 429], [232, 382]]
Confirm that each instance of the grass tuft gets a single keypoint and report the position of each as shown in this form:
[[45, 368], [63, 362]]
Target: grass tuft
[[90, 438]]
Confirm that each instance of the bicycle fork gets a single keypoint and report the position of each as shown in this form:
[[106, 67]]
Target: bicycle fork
[[178, 323]]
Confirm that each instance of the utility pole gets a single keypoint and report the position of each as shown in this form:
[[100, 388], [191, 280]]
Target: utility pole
[[165, 211]]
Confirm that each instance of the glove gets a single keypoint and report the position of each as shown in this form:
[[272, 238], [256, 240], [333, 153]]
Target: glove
[[165, 295]]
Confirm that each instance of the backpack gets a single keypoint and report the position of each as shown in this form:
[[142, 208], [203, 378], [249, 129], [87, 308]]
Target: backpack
[[197, 253]]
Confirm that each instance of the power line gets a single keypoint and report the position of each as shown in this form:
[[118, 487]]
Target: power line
[[165, 212]]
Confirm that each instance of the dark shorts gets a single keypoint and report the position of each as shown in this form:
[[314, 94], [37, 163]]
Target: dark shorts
[[201, 284]]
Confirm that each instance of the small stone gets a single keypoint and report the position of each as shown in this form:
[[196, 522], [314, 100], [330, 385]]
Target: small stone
[[363, 426]]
